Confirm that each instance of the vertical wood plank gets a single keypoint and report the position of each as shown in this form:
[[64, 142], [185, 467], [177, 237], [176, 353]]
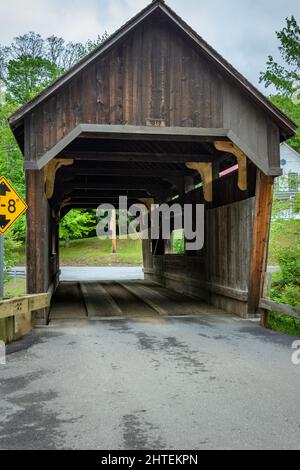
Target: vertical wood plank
[[260, 237], [36, 242]]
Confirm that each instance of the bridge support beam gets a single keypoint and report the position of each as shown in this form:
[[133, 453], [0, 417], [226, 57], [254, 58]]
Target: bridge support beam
[[260, 238], [37, 246]]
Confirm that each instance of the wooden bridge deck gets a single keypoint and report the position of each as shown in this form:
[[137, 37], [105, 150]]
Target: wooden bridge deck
[[118, 300]]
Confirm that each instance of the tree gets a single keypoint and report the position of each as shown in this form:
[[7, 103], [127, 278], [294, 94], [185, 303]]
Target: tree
[[11, 245], [31, 63], [77, 224], [27, 76], [11, 159], [28, 65], [285, 78]]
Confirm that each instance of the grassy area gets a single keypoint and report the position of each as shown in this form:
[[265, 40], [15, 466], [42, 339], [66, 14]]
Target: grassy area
[[12, 289], [284, 252], [283, 324], [95, 252], [284, 234]]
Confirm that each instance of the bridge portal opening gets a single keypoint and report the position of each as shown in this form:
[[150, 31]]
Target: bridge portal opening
[[155, 113]]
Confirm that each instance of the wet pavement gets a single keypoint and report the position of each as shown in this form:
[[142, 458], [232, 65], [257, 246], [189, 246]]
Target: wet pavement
[[203, 382]]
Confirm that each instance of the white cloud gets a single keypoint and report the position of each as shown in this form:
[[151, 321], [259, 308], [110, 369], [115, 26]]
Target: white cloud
[[243, 32], [72, 20]]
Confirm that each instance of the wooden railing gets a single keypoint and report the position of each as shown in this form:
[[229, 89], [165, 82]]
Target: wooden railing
[[284, 309], [16, 315]]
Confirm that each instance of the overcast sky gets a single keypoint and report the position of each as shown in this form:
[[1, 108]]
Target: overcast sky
[[243, 31]]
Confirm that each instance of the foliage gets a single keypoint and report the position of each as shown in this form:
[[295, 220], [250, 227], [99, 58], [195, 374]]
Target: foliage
[[178, 242], [11, 246], [28, 65], [15, 289], [284, 250], [19, 229], [95, 252], [286, 286], [285, 78], [286, 282], [284, 324], [31, 63], [289, 262], [77, 224], [283, 235], [278, 207], [11, 159], [297, 204], [27, 76]]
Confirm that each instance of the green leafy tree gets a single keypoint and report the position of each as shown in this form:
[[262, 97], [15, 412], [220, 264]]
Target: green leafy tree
[[11, 159], [31, 63], [27, 76], [28, 65], [285, 77], [77, 224], [11, 245]]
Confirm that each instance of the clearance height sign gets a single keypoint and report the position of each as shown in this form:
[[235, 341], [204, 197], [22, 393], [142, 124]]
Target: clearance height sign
[[12, 205]]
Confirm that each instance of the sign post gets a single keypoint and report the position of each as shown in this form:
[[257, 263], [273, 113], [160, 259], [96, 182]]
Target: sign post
[[12, 207], [1, 266]]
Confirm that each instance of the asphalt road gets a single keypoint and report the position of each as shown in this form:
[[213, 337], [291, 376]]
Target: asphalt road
[[96, 273], [187, 383]]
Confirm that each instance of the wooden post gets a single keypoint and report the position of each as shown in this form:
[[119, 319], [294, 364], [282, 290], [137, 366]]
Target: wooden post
[[260, 239], [114, 230], [37, 249]]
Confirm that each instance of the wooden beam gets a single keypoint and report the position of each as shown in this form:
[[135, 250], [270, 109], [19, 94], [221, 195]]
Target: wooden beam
[[132, 172], [50, 173], [100, 186], [205, 171], [24, 304], [230, 147], [283, 309], [260, 238], [135, 156]]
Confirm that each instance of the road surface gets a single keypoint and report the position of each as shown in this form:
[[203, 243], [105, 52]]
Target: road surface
[[206, 382]]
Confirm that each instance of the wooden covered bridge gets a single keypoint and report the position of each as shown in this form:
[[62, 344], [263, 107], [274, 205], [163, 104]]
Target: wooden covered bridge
[[150, 114]]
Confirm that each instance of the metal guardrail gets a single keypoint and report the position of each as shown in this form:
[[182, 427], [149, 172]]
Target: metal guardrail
[[17, 273]]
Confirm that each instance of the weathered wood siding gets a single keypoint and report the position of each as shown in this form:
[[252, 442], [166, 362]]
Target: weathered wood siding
[[220, 272], [152, 73], [228, 239]]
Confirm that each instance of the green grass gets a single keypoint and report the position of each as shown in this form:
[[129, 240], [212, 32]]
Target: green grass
[[284, 234], [283, 324], [14, 290], [95, 252]]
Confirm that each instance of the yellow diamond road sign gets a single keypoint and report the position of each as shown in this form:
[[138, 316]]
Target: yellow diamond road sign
[[12, 205]]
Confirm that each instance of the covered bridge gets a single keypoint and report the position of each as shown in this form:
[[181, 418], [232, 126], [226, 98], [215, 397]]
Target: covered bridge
[[150, 114]]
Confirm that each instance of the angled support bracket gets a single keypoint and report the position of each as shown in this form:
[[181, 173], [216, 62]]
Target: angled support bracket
[[50, 172], [148, 202], [205, 171], [230, 147], [64, 203]]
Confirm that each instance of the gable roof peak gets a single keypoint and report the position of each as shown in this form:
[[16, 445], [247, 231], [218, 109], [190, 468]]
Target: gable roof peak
[[283, 121]]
